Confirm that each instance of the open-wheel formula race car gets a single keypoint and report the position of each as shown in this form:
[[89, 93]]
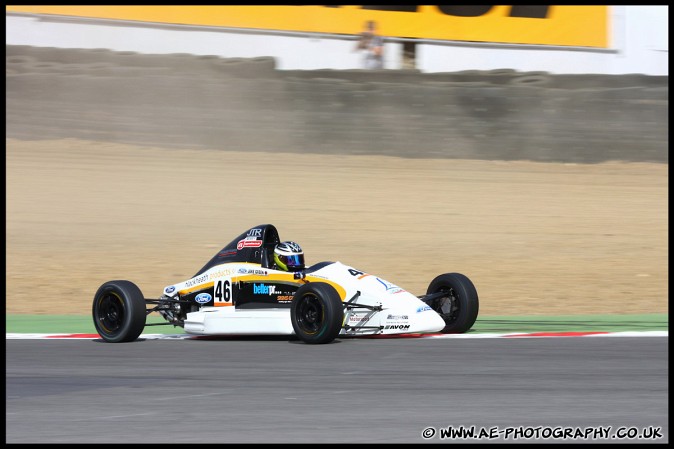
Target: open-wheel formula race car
[[241, 291]]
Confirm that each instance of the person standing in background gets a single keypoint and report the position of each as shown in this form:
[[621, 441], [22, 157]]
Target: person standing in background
[[373, 45]]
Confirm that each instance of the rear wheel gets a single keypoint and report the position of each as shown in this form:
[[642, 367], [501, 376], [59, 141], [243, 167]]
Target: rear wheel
[[119, 311], [459, 306], [317, 313]]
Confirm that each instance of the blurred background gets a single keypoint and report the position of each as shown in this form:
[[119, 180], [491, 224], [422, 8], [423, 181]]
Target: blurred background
[[524, 146]]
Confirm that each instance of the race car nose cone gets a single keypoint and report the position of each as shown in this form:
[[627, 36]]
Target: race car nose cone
[[423, 319], [427, 321]]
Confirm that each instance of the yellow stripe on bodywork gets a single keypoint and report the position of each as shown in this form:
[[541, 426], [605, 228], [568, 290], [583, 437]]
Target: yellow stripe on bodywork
[[282, 278], [289, 279], [187, 291]]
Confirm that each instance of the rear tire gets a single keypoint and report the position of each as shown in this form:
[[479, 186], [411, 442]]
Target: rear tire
[[119, 311], [317, 313], [460, 306]]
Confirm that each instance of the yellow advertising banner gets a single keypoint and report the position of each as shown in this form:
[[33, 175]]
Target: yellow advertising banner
[[578, 26]]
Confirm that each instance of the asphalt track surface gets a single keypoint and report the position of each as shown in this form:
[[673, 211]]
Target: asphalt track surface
[[279, 390]]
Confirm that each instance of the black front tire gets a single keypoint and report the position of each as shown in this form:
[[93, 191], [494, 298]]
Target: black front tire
[[460, 306], [119, 311], [317, 313]]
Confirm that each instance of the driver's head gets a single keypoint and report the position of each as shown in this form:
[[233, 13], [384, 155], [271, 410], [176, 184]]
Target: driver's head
[[288, 256]]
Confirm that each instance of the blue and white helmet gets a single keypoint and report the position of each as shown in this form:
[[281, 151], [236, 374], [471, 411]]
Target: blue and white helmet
[[289, 256]]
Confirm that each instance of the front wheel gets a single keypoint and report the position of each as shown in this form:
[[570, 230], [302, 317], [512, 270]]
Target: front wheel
[[119, 311], [459, 306], [317, 313]]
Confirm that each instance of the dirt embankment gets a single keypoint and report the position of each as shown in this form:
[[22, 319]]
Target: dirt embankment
[[536, 238]]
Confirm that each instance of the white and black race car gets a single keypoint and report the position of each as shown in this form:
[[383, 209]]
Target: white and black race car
[[241, 291]]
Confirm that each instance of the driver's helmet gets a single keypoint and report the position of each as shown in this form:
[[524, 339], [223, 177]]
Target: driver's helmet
[[289, 256]]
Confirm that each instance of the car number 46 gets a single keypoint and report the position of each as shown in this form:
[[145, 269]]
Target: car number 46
[[223, 291]]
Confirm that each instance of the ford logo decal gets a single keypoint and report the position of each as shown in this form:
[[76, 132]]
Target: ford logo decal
[[170, 289], [203, 298]]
